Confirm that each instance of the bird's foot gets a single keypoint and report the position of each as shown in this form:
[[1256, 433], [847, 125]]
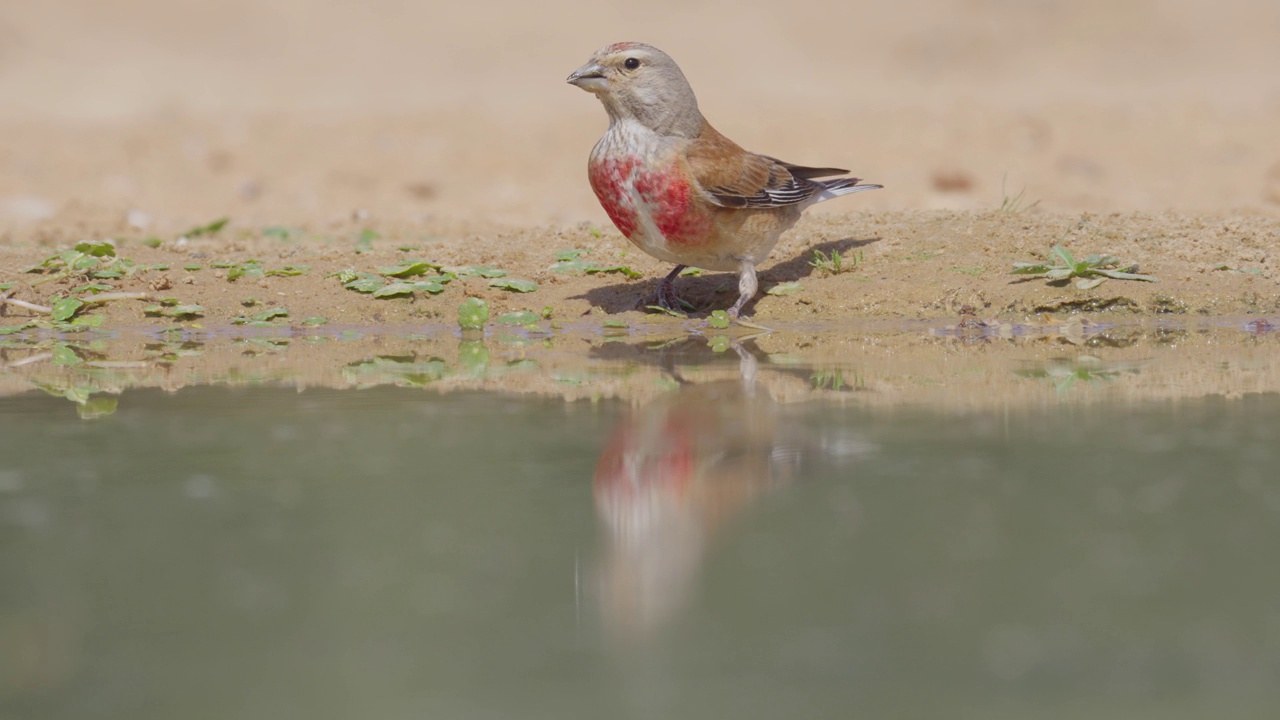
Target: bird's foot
[[665, 297], [735, 314], [747, 323]]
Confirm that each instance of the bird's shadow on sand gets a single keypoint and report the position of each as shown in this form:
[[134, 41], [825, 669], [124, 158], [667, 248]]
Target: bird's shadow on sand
[[717, 291]]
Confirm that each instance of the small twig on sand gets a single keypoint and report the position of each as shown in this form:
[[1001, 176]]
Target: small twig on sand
[[27, 305], [104, 297], [30, 359]]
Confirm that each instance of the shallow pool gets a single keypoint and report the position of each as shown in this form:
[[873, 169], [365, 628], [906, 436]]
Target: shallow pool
[[722, 546]]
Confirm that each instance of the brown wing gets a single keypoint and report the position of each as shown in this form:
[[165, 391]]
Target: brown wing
[[808, 173], [735, 178]]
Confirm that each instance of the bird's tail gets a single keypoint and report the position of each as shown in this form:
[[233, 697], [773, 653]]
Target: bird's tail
[[842, 186]]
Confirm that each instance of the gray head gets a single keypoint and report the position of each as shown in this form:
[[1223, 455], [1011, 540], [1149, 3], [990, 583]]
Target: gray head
[[640, 82]]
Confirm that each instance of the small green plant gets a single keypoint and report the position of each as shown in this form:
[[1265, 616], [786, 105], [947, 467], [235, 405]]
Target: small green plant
[[377, 285], [785, 288], [212, 228], [473, 313], [520, 317], [262, 319], [88, 259], [834, 379], [174, 310], [519, 285], [1015, 204], [483, 271], [1090, 272], [571, 261], [834, 264]]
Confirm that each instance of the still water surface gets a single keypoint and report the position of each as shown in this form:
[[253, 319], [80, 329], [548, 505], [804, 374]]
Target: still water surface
[[260, 552]]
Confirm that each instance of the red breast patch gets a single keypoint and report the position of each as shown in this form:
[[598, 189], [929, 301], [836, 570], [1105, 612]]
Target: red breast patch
[[625, 189]]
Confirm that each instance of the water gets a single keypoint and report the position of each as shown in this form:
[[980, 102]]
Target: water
[[709, 550]]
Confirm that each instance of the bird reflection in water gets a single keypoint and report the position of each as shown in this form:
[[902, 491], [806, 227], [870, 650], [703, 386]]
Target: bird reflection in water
[[673, 473]]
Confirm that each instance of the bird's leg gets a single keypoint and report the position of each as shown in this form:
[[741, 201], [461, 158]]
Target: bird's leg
[[747, 287], [665, 296]]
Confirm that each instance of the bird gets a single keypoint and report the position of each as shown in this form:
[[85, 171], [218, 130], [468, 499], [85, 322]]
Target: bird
[[680, 190]]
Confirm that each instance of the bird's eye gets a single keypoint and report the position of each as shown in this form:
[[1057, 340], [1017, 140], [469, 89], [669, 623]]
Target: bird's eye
[[631, 63]]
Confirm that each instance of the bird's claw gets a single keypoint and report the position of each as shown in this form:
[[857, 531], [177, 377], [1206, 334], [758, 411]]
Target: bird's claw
[[666, 298]]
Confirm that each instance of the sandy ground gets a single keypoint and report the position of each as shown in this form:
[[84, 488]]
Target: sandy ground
[[356, 137]]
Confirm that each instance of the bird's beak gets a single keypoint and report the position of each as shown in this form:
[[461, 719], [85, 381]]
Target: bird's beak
[[589, 77]]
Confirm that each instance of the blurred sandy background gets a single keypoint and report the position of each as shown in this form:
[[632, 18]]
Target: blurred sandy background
[[290, 111]]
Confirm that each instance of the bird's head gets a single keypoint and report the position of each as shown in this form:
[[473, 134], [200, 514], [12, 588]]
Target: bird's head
[[640, 82]]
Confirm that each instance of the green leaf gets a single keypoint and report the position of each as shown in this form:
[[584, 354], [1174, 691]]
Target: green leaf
[[365, 243], [519, 285], [210, 229], [719, 319], [719, 343], [270, 314], [95, 288], [184, 311], [570, 265], [192, 267], [279, 231], [5, 286], [473, 313], [586, 267], [1090, 283], [523, 317], [82, 263], [620, 269], [786, 288], [691, 272], [64, 355], [431, 285], [1022, 268], [1060, 273], [365, 283], [1127, 276], [571, 254], [174, 311], [98, 406], [396, 289], [1065, 255], [664, 311], [11, 329], [66, 308], [473, 356], [86, 321], [408, 269], [315, 321], [98, 248], [612, 323], [248, 267], [483, 271], [288, 271]]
